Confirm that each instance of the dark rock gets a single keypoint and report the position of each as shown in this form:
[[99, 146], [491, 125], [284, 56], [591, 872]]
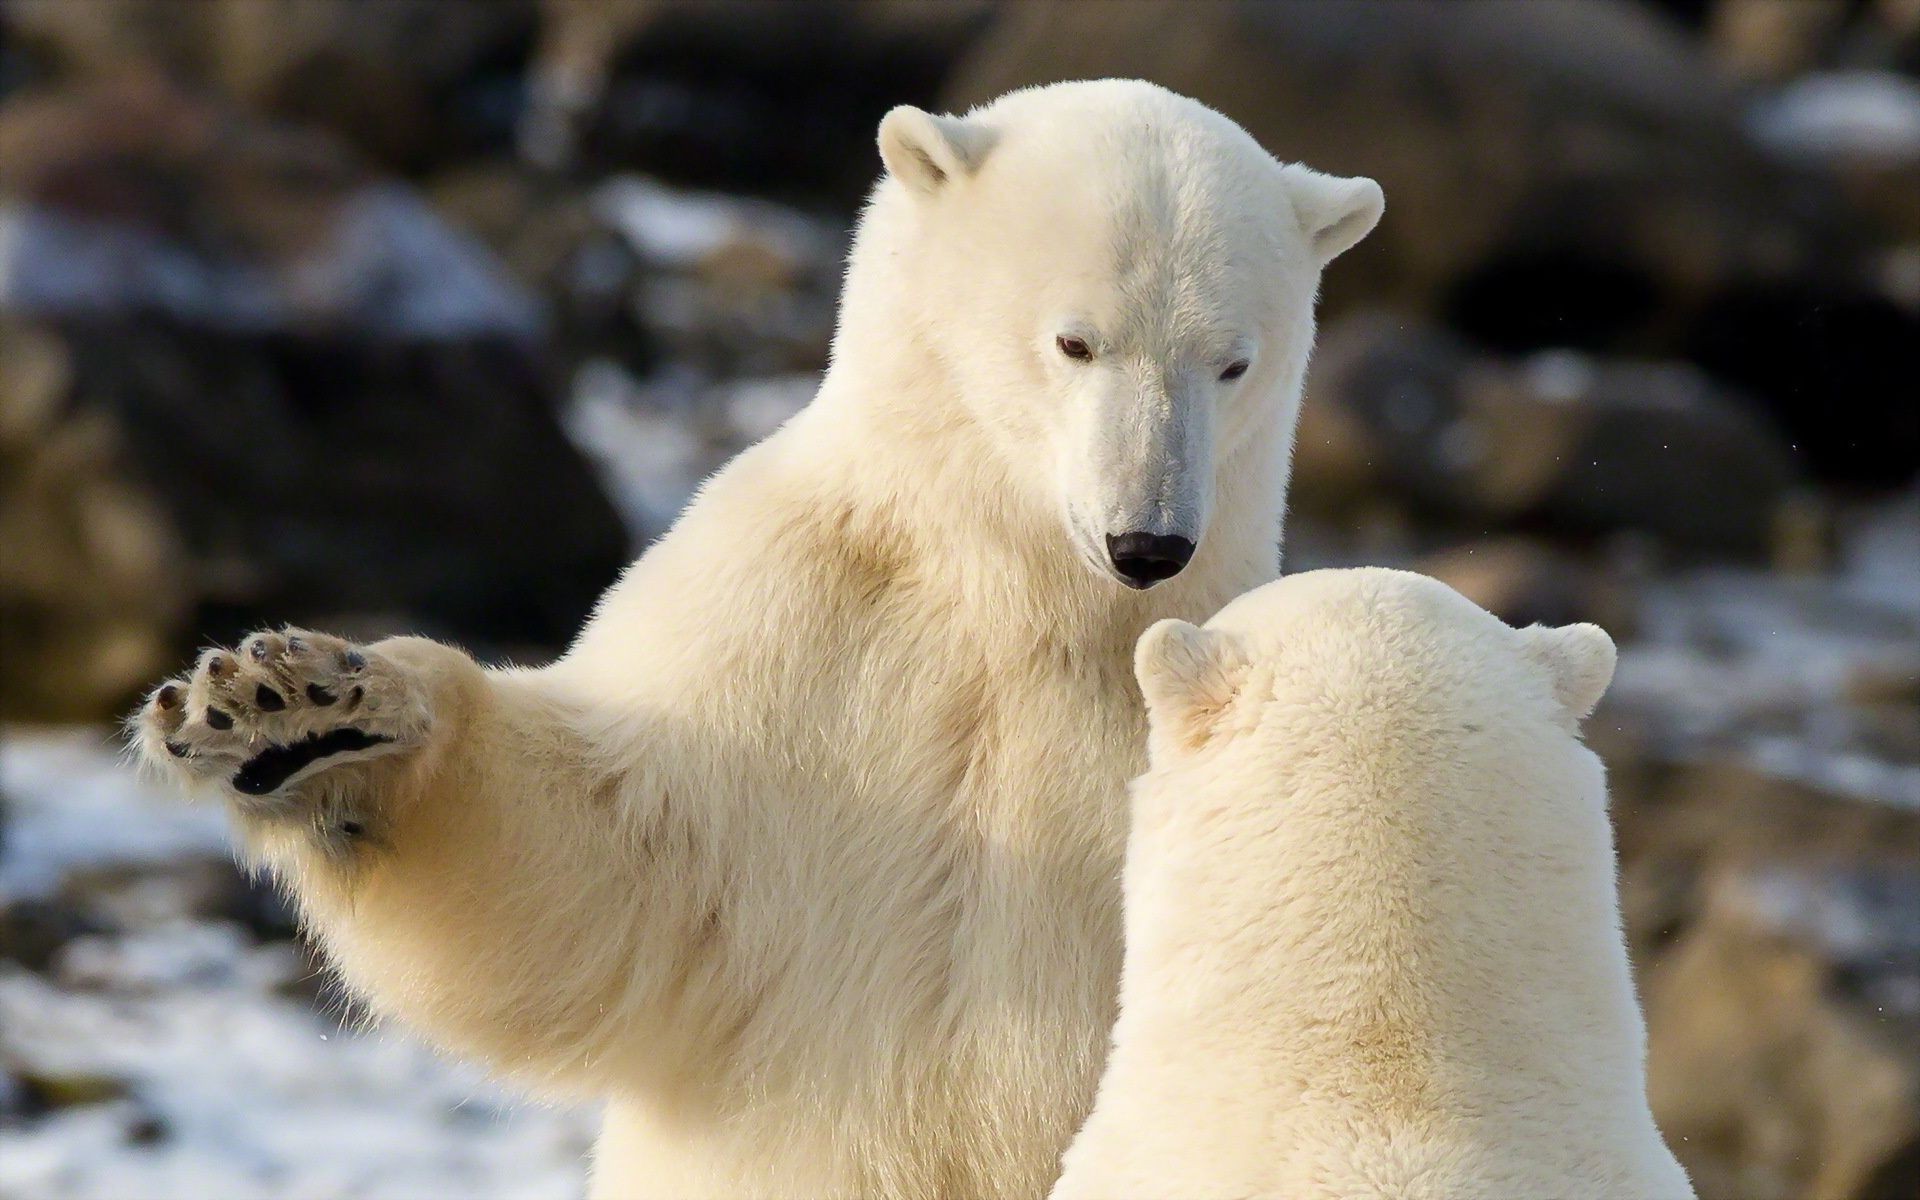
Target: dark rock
[[312, 476], [343, 405], [1777, 936], [411, 82], [731, 95], [1525, 581], [32, 931], [93, 587], [1559, 440]]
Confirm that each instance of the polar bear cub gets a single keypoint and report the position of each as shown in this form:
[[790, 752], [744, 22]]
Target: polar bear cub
[[1373, 932]]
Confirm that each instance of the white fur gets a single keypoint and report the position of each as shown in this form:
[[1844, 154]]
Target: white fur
[[806, 855], [1373, 935]]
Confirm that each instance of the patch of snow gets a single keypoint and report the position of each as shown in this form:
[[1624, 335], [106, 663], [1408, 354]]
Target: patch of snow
[[214, 1082], [75, 805], [1843, 116]]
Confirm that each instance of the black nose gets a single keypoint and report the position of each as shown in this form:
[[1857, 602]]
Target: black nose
[[1144, 559]]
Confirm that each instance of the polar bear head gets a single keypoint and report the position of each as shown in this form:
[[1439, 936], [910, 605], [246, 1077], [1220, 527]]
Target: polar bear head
[[1116, 285], [1363, 673]]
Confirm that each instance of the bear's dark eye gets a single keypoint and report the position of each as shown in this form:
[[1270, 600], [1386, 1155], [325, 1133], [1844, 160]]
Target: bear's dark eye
[[1074, 348], [1234, 370]]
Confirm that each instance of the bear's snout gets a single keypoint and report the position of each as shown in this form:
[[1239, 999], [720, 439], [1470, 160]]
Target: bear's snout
[[1144, 559]]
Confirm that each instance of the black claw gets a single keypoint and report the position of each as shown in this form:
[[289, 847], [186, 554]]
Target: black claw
[[354, 660], [217, 666], [167, 697], [268, 699], [176, 749], [218, 719], [295, 645], [257, 649], [320, 695]]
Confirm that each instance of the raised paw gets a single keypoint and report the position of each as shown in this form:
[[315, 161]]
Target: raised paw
[[282, 710]]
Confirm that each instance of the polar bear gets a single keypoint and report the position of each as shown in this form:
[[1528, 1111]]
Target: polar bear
[[1373, 935], [805, 856]]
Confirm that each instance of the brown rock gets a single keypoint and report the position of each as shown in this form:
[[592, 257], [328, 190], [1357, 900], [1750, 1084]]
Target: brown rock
[[1777, 932], [1579, 443], [93, 587]]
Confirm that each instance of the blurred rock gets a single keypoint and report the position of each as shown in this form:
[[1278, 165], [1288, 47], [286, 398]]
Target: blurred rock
[[1772, 39], [1570, 174], [1777, 929], [411, 82], [1525, 581], [93, 589], [1560, 438], [740, 286], [130, 195], [32, 931], [318, 476], [323, 384], [730, 95]]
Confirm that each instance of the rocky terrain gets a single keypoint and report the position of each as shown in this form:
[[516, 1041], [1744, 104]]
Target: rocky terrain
[[428, 316]]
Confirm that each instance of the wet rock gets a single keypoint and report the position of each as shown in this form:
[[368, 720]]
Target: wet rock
[[1558, 439]]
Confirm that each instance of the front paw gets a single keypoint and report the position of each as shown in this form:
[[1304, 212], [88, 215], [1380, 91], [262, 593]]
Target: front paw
[[281, 714]]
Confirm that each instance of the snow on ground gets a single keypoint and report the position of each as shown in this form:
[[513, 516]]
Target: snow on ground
[[189, 1060]]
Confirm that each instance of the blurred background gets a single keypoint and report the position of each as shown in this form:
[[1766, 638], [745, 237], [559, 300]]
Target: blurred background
[[429, 314]]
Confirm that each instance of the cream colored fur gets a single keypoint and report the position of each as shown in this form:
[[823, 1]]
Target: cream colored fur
[[1373, 934], [806, 855]]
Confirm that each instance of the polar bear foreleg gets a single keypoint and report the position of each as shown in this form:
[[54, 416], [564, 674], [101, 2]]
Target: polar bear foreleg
[[466, 859]]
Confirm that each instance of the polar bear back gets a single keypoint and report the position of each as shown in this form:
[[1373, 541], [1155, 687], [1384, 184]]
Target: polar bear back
[[1373, 939]]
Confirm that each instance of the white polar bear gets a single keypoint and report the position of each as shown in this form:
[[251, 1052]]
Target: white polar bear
[[806, 854], [1373, 934]]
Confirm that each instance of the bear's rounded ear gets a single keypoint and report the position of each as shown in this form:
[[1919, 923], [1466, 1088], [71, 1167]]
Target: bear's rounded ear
[[926, 152], [1578, 660], [1335, 213], [1188, 675]]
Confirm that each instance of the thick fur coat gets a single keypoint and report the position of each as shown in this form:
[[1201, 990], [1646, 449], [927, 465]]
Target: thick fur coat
[[805, 857], [1373, 933]]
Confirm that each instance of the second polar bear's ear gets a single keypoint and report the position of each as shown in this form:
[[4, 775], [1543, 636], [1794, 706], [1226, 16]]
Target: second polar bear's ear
[[1578, 660], [926, 152], [1334, 212], [1188, 676]]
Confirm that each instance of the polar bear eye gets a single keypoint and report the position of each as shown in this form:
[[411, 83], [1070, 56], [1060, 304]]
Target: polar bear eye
[[1235, 370], [1074, 348]]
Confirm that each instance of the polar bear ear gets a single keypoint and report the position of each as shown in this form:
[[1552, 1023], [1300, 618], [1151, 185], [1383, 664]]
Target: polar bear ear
[[1188, 675], [1334, 212], [1578, 660], [925, 152]]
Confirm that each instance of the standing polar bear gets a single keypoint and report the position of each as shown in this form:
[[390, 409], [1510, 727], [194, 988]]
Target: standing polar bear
[[1373, 934], [806, 855]]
